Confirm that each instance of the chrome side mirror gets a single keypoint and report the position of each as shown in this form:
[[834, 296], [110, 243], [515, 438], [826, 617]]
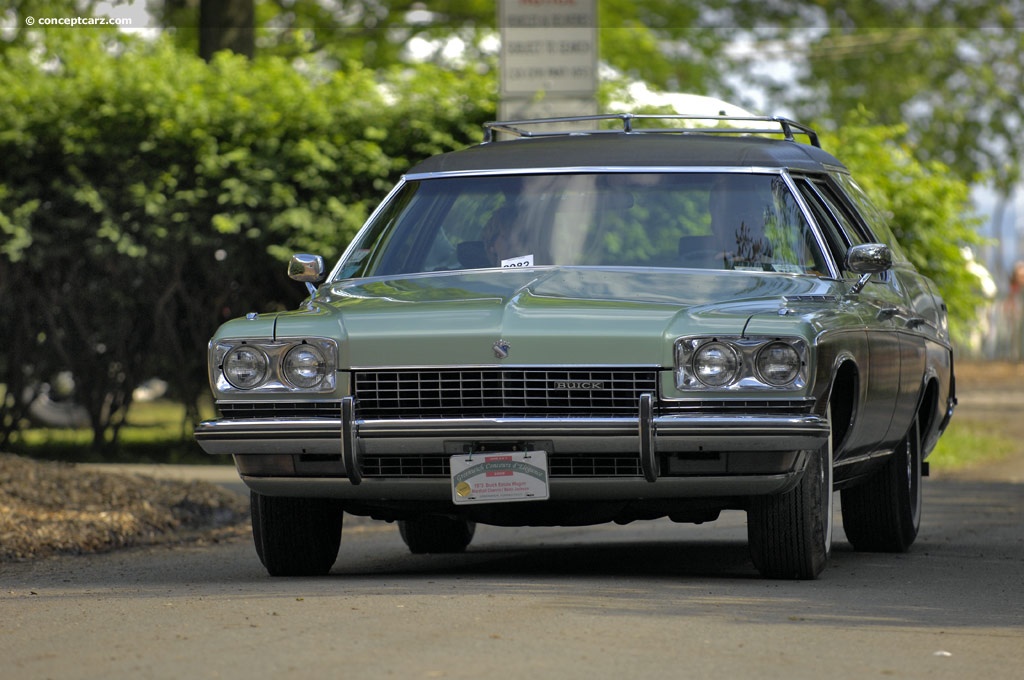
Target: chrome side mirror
[[308, 269], [867, 259]]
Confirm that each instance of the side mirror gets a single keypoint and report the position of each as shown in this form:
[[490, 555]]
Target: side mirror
[[308, 269], [867, 259]]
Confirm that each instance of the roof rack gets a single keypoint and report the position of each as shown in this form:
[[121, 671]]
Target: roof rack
[[634, 123]]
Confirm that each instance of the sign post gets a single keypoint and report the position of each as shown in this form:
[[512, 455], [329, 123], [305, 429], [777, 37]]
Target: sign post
[[548, 58]]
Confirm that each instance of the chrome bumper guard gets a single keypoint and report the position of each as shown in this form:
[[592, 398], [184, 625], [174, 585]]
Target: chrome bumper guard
[[647, 434]]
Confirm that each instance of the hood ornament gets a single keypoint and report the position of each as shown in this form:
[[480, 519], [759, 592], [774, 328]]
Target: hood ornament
[[501, 348]]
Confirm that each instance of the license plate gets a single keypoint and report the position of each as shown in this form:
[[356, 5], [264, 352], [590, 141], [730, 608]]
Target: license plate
[[499, 477]]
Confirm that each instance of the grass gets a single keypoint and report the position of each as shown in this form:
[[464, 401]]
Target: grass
[[968, 442], [155, 432]]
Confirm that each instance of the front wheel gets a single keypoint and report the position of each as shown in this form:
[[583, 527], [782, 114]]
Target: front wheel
[[790, 534], [296, 536], [436, 534], [884, 513]]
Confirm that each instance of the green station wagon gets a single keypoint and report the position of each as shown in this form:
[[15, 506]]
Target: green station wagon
[[598, 319]]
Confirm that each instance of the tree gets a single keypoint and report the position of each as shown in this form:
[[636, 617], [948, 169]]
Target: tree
[[670, 44], [226, 25], [950, 71], [16, 29]]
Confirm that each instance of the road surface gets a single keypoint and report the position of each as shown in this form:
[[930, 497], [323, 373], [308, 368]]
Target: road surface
[[647, 600]]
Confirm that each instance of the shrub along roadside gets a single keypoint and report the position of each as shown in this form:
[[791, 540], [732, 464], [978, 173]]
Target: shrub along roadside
[[929, 210], [146, 195]]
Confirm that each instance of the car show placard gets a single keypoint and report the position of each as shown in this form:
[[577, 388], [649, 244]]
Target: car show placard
[[499, 477]]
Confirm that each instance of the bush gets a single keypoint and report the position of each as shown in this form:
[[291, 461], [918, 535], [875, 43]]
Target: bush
[[929, 210], [146, 195]]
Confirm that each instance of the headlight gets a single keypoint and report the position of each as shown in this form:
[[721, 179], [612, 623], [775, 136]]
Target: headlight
[[304, 366], [245, 367], [716, 364], [741, 363], [285, 365], [778, 364]]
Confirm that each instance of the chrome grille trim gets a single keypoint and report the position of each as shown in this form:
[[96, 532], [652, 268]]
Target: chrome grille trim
[[750, 406], [501, 392], [431, 466], [332, 409], [279, 409]]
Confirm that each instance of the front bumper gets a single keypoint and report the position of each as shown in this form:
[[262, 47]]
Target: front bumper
[[649, 455]]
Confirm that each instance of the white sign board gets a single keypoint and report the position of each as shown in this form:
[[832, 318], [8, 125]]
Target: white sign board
[[499, 477], [549, 47]]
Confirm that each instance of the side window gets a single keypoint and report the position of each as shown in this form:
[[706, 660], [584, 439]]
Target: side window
[[874, 217], [851, 229], [839, 222], [833, 223]]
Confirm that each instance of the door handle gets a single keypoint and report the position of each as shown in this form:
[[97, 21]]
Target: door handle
[[886, 313]]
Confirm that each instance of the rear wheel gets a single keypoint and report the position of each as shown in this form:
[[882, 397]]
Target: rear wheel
[[884, 513], [296, 536], [790, 534], [436, 534]]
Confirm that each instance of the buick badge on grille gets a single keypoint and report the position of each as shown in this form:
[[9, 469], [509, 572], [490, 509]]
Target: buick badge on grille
[[501, 349], [578, 385]]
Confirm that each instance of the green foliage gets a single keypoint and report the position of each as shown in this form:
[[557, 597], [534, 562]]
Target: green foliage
[[950, 70], [373, 35], [669, 44], [929, 208], [146, 195]]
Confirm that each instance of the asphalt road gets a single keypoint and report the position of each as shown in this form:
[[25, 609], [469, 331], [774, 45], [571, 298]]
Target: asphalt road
[[648, 600]]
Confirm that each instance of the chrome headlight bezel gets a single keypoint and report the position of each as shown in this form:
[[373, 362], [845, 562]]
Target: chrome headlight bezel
[[751, 372], [278, 377]]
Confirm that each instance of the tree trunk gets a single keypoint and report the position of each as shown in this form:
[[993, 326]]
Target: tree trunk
[[226, 25]]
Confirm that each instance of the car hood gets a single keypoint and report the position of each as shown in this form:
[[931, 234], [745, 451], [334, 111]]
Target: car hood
[[556, 316]]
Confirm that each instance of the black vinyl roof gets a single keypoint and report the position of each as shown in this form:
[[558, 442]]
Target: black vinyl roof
[[631, 150]]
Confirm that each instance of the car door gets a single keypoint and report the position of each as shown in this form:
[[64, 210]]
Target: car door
[[919, 316], [880, 357]]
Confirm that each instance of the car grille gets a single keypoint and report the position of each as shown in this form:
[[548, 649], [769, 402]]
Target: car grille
[[509, 393], [558, 466]]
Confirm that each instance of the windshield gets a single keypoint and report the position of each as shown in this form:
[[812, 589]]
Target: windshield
[[706, 220]]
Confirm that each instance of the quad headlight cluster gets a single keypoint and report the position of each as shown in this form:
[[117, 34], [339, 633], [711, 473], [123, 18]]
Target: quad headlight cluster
[[300, 365], [711, 363]]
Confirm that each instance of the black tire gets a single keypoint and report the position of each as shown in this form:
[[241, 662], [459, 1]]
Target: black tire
[[884, 513], [296, 536], [790, 534], [436, 534]]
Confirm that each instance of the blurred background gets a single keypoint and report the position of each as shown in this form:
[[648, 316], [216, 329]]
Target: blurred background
[[161, 159]]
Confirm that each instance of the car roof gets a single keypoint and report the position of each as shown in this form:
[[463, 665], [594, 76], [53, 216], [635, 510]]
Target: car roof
[[613, 150]]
